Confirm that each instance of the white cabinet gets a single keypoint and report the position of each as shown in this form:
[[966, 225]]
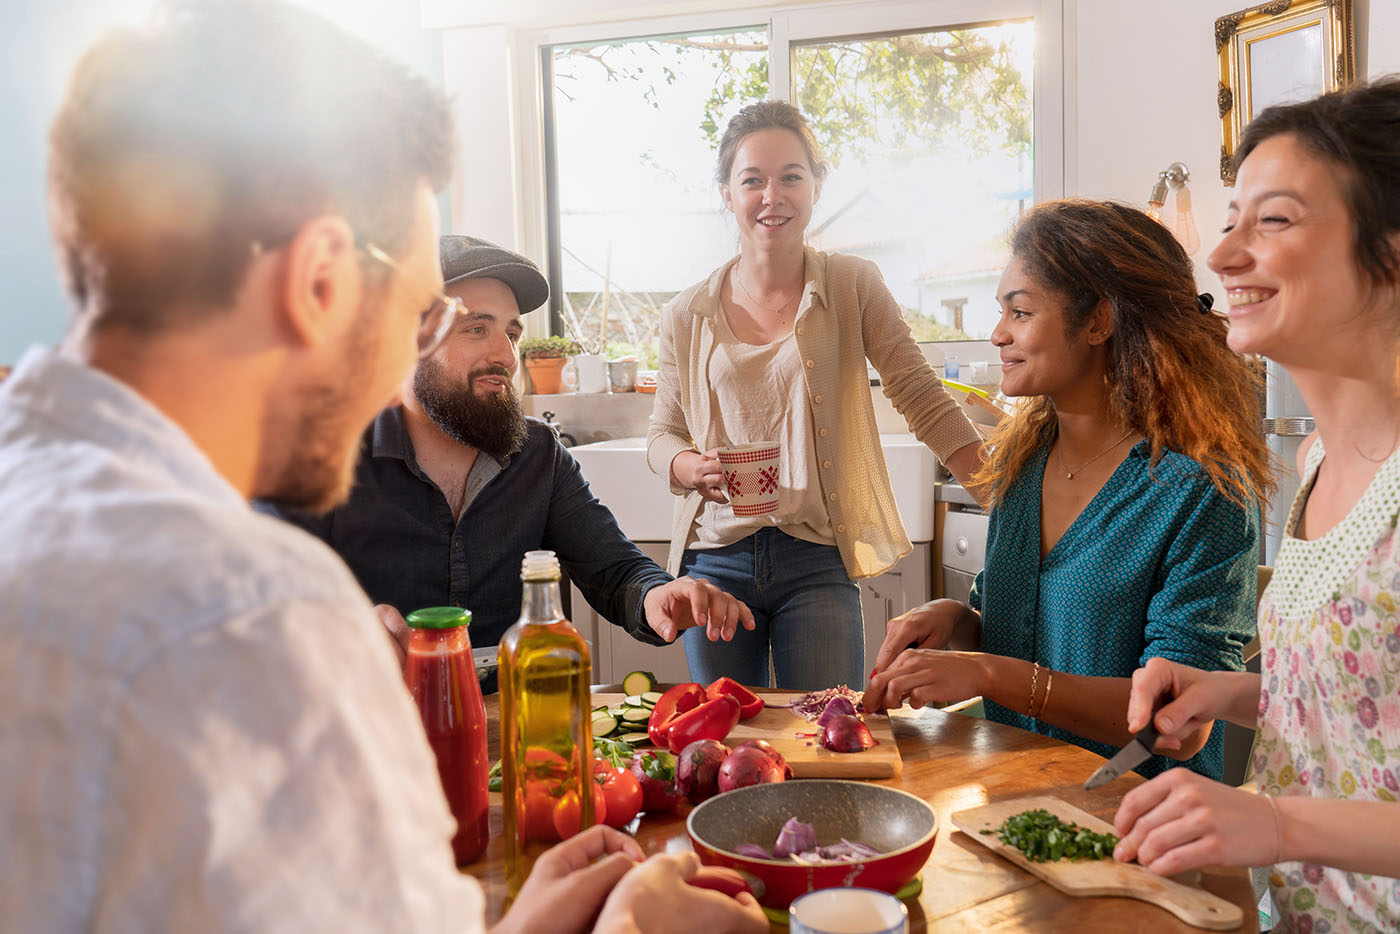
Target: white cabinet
[[902, 587], [615, 653]]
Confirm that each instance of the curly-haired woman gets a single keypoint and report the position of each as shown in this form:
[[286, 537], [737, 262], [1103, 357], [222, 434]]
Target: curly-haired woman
[[1125, 492]]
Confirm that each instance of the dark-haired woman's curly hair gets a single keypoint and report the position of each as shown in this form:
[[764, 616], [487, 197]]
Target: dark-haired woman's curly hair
[[1170, 374]]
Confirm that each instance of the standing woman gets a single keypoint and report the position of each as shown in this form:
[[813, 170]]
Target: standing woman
[[1125, 492], [1311, 264], [772, 346]]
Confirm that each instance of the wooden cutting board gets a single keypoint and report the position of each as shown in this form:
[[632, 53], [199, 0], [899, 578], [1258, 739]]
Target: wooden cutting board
[[1098, 877], [779, 725]]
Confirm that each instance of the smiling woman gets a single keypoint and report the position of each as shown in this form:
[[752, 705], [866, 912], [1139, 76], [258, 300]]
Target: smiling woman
[[772, 348], [1125, 492]]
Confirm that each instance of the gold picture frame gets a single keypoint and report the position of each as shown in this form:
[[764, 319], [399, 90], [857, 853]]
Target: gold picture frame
[[1285, 50]]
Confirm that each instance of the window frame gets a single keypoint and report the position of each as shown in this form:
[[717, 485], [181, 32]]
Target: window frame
[[787, 24]]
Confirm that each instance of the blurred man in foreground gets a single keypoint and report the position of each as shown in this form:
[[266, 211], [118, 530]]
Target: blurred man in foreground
[[202, 724]]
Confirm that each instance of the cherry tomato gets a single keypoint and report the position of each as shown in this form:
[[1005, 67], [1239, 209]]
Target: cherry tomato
[[544, 763], [720, 879], [566, 811], [621, 791], [539, 813]]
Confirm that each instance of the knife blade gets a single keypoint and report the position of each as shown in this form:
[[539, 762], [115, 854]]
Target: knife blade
[[1137, 751]]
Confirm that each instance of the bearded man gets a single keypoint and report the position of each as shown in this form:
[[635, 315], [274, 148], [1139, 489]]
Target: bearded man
[[455, 484]]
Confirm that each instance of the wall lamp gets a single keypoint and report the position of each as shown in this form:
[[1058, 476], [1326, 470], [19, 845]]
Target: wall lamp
[[1183, 225]]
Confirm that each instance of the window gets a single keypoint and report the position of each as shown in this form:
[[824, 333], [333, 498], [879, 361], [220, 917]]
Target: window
[[939, 136], [635, 128]]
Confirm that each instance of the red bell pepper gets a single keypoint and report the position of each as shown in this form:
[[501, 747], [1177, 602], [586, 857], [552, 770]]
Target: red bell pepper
[[711, 720], [677, 700], [749, 702]]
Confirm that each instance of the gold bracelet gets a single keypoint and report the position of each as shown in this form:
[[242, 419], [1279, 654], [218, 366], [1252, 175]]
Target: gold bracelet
[[1030, 704], [1049, 686], [1278, 829]]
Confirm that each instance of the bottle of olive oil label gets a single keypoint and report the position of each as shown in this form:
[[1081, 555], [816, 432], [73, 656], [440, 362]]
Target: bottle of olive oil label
[[546, 736]]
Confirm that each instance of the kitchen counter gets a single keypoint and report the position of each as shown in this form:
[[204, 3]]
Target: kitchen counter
[[950, 491]]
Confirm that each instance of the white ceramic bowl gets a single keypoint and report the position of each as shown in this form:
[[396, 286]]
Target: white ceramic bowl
[[848, 911]]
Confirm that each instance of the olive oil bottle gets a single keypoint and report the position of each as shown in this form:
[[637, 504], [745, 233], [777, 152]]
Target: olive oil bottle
[[546, 733]]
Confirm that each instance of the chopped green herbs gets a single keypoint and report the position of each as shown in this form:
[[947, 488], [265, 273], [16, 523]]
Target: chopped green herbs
[[1043, 837]]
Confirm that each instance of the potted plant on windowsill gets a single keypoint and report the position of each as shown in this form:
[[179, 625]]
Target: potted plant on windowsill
[[544, 357]]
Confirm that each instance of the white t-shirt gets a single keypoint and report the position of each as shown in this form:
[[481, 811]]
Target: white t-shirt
[[202, 726]]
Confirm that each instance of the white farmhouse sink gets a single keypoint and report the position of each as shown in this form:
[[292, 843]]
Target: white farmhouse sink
[[617, 472]]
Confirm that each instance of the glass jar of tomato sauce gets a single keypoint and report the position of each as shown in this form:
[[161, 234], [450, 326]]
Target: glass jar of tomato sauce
[[441, 676]]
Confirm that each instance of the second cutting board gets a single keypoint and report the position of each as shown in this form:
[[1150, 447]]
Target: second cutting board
[[781, 727], [1098, 876]]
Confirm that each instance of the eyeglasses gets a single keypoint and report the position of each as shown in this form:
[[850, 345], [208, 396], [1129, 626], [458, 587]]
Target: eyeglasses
[[437, 319]]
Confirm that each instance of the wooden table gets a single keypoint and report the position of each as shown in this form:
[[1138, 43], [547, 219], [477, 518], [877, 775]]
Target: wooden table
[[954, 762]]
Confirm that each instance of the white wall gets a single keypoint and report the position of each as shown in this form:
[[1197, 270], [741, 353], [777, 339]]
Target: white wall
[[1145, 98]]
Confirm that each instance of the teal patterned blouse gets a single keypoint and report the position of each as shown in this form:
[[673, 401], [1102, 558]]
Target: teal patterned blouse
[[1159, 564]]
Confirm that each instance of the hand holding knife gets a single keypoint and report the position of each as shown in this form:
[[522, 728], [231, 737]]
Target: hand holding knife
[[1137, 751]]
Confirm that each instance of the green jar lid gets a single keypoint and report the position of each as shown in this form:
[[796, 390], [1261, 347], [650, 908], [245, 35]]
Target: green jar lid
[[439, 617]]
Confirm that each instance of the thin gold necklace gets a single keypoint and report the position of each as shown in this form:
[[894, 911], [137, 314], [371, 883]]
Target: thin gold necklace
[[772, 311], [1069, 474]]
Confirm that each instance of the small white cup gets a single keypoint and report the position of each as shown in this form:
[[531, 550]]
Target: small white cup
[[751, 476], [592, 372], [847, 911]]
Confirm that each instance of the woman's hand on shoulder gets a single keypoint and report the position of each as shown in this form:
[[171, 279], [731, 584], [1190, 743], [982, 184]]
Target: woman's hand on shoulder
[[700, 472]]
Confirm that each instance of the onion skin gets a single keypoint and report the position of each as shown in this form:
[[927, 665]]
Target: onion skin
[[847, 734], [755, 762], [698, 767]]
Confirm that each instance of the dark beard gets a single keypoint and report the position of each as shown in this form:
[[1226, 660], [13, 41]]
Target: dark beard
[[495, 424]]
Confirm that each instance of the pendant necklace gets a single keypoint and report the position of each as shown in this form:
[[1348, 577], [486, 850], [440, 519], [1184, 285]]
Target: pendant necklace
[[749, 295], [1069, 474]]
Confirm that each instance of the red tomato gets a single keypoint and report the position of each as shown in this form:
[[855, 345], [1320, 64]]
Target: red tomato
[[621, 791], [749, 702], [541, 762], [720, 879], [566, 811], [539, 813]]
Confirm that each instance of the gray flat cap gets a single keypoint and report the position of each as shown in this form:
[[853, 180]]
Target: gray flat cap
[[473, 258]]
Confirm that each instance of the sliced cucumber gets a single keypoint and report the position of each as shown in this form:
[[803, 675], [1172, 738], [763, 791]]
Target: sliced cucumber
[[650, 698], [604, 725], [633, 700], [636, 739], [636, 714], [638, 682]]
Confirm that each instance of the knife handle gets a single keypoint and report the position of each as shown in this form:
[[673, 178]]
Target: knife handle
[[1148, 736]]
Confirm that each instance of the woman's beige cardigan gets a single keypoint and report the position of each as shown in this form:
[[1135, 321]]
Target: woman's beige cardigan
[[846, 315]]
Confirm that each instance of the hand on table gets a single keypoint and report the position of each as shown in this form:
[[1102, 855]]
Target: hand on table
[[688, 601], [566, 888], [927, 676], [655, 897], [397, 628], [1181, 820]]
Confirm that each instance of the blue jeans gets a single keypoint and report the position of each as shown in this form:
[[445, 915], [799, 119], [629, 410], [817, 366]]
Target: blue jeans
[[806, 608]]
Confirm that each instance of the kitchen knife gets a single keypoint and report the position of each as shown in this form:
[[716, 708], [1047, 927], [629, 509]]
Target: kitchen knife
[[1138, 750]]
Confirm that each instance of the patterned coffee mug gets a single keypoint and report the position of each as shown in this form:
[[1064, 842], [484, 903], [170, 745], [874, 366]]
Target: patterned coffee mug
[[751, 476]]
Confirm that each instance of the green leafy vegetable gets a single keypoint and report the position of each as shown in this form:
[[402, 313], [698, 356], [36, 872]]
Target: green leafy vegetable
[[1043, 837]]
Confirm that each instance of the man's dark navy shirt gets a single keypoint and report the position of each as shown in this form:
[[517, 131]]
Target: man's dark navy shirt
[[397, 534]]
